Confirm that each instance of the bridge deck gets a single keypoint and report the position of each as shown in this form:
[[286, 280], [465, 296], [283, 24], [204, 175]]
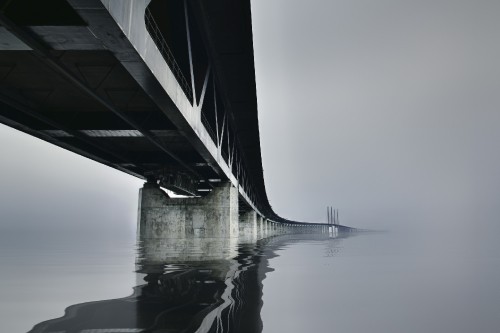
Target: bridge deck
[[157, 89]]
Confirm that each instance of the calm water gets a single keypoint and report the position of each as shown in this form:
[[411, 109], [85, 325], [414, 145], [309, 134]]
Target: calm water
[[385, 282]]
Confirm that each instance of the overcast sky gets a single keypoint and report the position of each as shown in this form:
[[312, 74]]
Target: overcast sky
[[387, 110]]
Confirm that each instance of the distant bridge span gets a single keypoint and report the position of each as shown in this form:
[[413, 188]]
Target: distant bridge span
[[162, 90]]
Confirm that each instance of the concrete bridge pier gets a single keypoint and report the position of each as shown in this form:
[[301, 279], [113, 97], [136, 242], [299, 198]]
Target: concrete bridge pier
[[260, 226], [248, 227], [185, 229], [274, 230], [333, 231]]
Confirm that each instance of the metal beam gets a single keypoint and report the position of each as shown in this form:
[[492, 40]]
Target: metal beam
[[43, 53]]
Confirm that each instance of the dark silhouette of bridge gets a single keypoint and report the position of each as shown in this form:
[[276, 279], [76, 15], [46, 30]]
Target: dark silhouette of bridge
[[162, 90]]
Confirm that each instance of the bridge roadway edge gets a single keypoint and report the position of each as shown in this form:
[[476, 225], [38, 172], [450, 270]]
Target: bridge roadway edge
[[162, 88], [112, 20]]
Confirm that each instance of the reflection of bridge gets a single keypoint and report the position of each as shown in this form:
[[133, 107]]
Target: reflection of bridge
[[172, 295], [162, 90]]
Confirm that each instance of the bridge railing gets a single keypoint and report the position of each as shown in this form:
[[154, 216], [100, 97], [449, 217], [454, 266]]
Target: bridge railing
[[167, 54]]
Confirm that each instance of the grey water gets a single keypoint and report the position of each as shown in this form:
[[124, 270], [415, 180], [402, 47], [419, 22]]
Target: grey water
[[367, 282]]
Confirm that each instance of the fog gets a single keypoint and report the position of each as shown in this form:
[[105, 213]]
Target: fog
[[47, 188], [381, 283], [387, 110]]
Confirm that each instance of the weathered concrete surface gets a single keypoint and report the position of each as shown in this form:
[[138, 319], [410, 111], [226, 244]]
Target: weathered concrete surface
[[188, 229], [260, 227], [248, 228], [201, 229], [215, 215]]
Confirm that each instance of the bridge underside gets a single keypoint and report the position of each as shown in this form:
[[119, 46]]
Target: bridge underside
[[162, 90], [36, 99], [69, 76]]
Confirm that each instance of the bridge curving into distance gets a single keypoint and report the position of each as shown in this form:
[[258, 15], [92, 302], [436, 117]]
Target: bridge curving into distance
[[162, 90]]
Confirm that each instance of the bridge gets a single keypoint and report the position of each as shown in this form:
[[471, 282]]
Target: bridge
[[206, 296], [162, 90]]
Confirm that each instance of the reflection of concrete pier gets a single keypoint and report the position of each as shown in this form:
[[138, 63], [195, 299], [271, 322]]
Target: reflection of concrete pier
[[199, 294]]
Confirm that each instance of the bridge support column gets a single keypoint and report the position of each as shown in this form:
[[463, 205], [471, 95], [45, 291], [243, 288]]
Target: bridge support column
[[248, 226], [270, 228], [260, 226], [188, 228], [275, 228]]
